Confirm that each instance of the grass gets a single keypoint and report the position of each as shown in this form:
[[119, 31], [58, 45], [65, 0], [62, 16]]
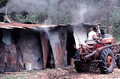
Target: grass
[[21, 76], [16, 77]]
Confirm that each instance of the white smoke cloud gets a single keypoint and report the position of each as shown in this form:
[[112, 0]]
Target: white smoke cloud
[[79, 11], [25, 5]]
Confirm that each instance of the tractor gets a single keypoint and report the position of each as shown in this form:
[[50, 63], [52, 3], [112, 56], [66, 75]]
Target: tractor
[[104, 53]]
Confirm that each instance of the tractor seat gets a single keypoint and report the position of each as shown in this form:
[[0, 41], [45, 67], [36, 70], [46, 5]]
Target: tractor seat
[[90, 43]]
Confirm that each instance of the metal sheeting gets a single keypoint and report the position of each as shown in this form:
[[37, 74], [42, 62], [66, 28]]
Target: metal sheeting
[[58, 44], [45, 48], [6, 36], [55, 44], [27, 40], [63, 38], [29, 43], [80, 35], [10, 58], [13, 25], [2, 58]]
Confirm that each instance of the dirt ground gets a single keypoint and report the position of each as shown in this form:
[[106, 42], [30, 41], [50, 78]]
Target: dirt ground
[[65, 73]]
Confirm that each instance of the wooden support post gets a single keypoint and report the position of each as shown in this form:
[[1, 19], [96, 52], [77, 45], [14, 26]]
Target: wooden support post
[[18, 62]]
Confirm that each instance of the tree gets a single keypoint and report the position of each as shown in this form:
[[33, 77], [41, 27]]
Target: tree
[[3, 3], [63, 11], [57, 11]]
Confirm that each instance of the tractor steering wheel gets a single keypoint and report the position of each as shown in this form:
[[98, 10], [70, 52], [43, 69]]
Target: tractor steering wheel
[[98, 41]]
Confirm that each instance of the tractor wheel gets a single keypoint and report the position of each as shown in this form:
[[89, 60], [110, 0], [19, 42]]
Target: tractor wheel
[[81, 66], [108, 61], [77, 55], [78, 66], [118, 62]]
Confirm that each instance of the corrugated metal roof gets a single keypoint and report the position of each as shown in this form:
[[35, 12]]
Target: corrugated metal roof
[[12, 25], [21, 25]]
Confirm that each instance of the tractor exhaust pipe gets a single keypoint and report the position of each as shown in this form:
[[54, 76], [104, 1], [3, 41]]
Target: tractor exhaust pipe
[[91, 54], [98, 50]]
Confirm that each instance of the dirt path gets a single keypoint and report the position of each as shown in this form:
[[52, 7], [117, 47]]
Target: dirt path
[[65, 73]]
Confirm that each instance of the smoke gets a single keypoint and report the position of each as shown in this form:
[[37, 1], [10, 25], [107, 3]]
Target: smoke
[[70, 11], [25, 5], [92, 11], [47, 21], [78, 16]]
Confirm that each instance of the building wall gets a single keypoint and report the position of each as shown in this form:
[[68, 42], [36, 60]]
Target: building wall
[[30, 49], [2, 58]]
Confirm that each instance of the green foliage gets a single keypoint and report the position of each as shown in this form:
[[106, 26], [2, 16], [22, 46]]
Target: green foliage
[[31, 17], [115, 16], [116, 33], [64, 18], [68, 11], [115, 22]]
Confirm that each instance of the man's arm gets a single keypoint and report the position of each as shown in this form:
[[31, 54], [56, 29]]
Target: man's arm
[[96, 37]]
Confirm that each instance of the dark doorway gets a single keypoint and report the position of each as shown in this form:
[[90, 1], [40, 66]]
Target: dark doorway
[[50, 60], [70, 44]]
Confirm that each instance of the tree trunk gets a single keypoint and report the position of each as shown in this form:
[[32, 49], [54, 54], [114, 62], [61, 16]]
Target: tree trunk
[[57, 11], [108, 23], [3, 3]]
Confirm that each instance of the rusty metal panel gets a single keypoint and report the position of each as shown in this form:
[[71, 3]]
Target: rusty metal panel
[[10, 58], [58, 55], [2, 58], [63, 39], [29, 43], [58, 44], [55, 44], [12, 25], [18, 60], [45, 47]]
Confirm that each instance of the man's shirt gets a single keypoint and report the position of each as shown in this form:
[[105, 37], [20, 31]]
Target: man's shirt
[[90, 35]]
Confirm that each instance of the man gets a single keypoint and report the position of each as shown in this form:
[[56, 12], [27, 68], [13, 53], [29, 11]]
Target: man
[[93, 34]]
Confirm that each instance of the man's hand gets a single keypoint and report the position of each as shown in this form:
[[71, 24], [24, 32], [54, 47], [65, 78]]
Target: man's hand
[[100, 38]]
